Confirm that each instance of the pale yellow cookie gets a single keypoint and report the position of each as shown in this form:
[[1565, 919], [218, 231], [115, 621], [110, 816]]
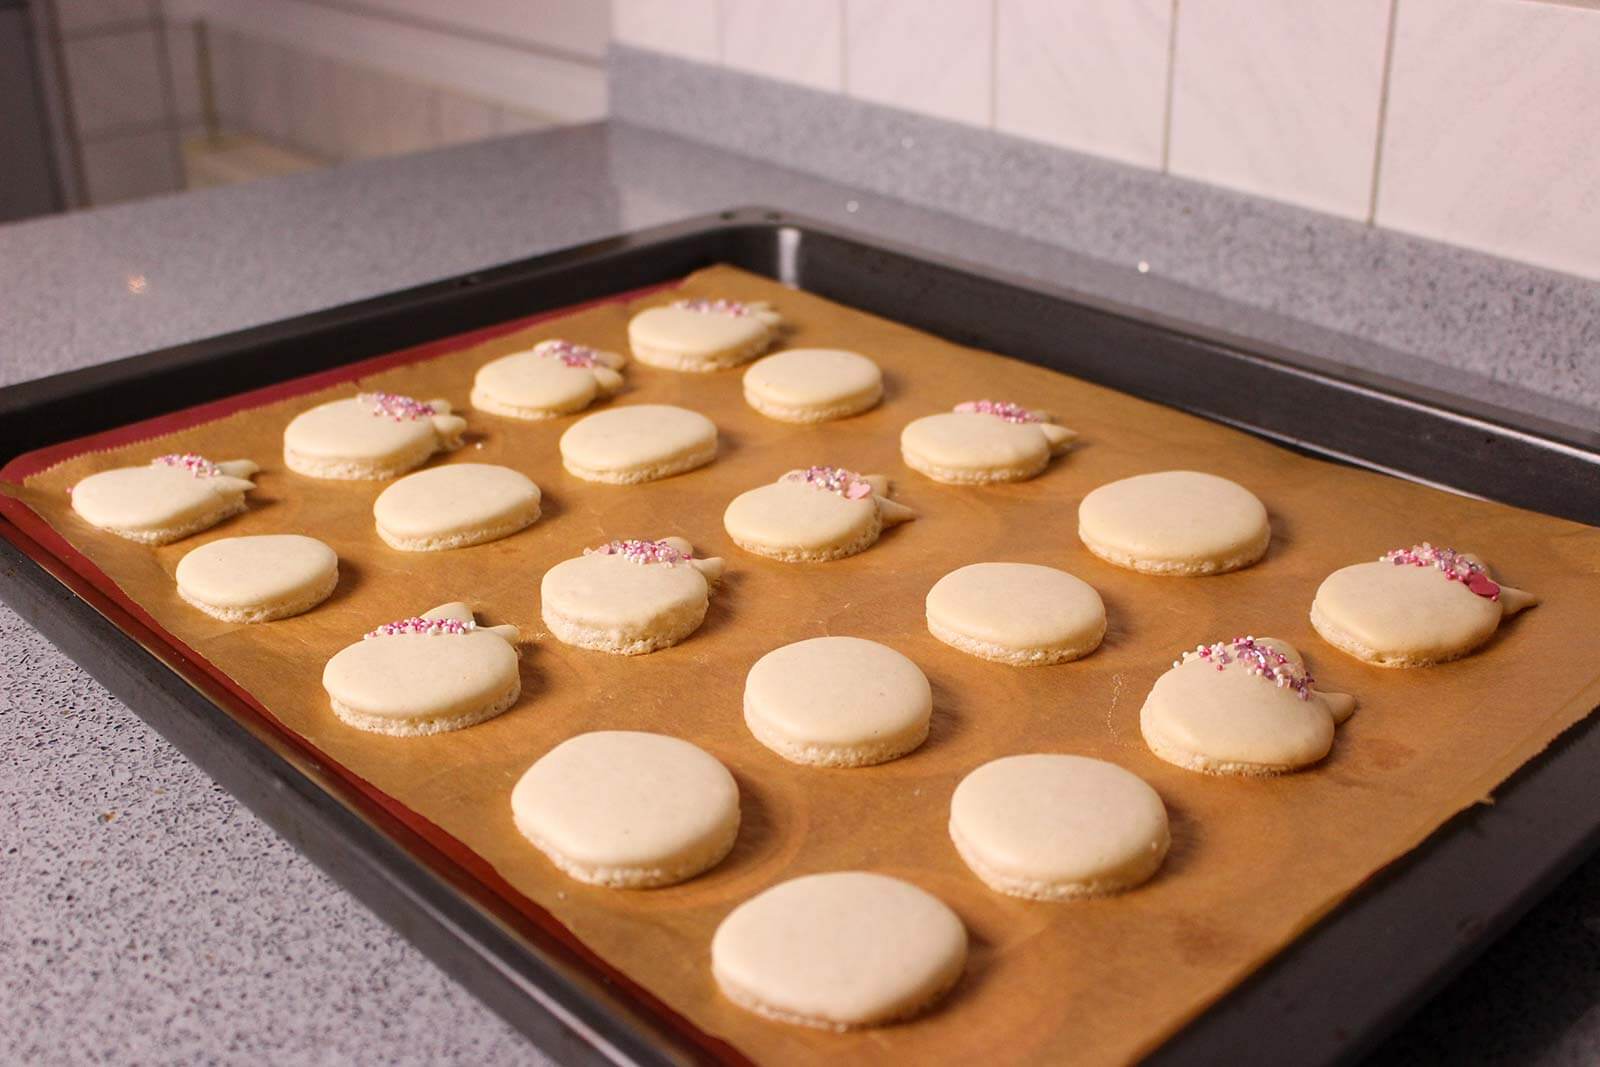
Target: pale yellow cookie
[[258, 578], [370, 436], [1049, 827], [173, 497], [425, 675], [1017, 613], [812, 385], [629, 597], [702, 335], [638, 443], [1413, 607], [628, 810], [552, 378], [839, 951], [454, 506], [1175, 523], [813, 515], [1241, 707], [837, 702], [983, 441]]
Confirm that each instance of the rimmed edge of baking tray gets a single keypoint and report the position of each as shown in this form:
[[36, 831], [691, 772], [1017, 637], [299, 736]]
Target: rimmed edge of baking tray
[[1336, 991]]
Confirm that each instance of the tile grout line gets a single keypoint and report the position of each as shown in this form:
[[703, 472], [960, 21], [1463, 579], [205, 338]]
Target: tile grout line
[[1383, 112], [1172, 80]]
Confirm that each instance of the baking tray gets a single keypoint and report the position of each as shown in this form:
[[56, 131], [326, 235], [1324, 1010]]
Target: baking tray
[[1329, 997]]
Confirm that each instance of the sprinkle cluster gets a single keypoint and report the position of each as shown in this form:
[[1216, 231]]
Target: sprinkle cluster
[[573, 355], [197, 465], [1450, 563], [426, 627], [1257, 659], [1000, 409], [397, 407], [846, 483], [715, 307], [641, 552]]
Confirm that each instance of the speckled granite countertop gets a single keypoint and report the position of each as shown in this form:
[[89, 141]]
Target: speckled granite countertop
[[147, 917]]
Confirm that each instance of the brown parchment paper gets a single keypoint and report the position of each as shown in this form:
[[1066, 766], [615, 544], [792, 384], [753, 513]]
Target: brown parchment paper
[[1253, 863]]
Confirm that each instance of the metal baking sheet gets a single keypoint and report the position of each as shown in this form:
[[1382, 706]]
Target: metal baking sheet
[[1334, 993]]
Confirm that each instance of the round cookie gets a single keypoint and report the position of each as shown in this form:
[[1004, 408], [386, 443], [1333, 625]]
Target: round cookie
[[1050, 827], [369, 436], [1241, 707], [1017, 613], [628, 597], [814, 515], [628, 810], [702, 335], [638, 443], [258, 578], [839, 951], [175, 496], [425, 675], [837, 702], [983, 441], [812, 385], [1413, 607], [552, 378], [454, 506], [1174, 523]]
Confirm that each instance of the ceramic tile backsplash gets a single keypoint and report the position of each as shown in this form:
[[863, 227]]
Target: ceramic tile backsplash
[[1280, 98], [126, 167], [459, 119], [1085, 74], [794, 42], [1492, 138], [687, 29], [115, 81], [934, 59], [80, 16]]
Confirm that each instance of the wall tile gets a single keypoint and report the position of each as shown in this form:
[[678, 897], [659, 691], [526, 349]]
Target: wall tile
[[80, 16], [1491, 139], [933, 59], [1085, 74], [684, 28], [115, 81], [794, 42], [266, 87], [461, 119], [313, 121], [510, 120], [184, 57], [129, 167], [1280, 98]]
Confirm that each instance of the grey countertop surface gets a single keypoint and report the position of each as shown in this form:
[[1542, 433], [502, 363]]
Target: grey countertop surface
[[145, 916]]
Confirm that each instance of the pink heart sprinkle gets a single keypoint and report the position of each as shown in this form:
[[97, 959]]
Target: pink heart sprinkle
[[858, 490], [1483, 585]]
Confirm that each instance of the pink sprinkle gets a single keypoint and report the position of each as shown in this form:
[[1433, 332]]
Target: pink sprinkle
[[846, 483], [1257, 659], [641, 552], [1453, 565], [716, 307], [397, 407], [199, 466], [1000, 409], [573, 355], [426, 627]]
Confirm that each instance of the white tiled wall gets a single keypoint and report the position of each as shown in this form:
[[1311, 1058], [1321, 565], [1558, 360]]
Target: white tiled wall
[[1085, 74], [1475, 122], [1280, 98], [1493, 131]]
